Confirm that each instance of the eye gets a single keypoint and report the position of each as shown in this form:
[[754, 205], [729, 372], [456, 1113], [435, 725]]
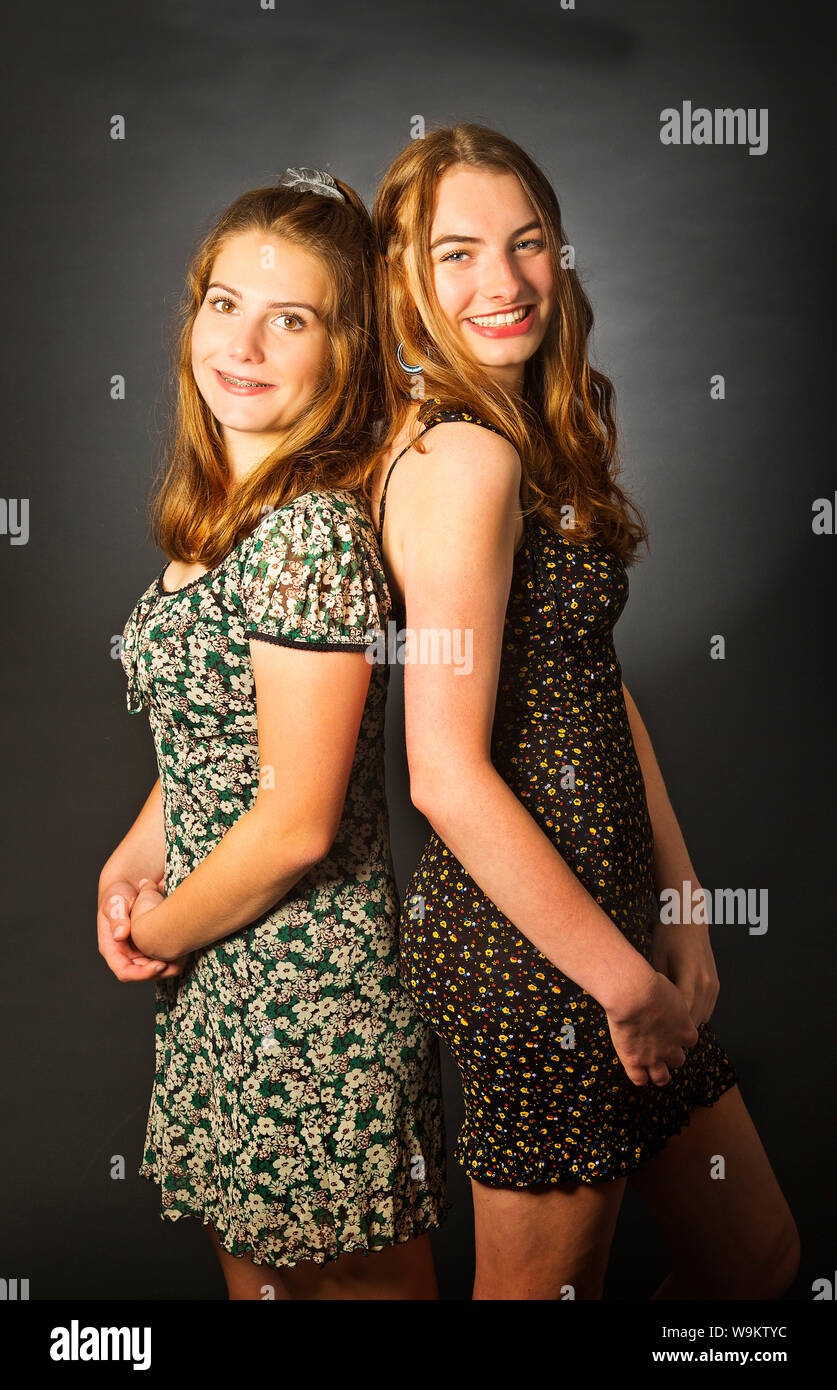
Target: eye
[[283, 318], [536, 242], [221, 299]]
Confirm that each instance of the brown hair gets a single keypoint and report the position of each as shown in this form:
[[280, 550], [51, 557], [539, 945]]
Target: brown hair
[[562, 426], [193, 515]]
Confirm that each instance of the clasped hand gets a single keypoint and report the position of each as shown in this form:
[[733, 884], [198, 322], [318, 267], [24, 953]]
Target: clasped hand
[[655, 1023], [682, 952], [121, 904]]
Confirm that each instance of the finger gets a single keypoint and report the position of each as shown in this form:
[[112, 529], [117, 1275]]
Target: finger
[[181, 961], [129, 955], [145, 960], [124, 969], [137, 958], [135, 974], [124, 951], [659, 1074], [117, 912]]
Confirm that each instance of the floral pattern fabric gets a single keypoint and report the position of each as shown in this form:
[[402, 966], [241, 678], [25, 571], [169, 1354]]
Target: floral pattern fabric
[[296, 1101], [546, 1097]]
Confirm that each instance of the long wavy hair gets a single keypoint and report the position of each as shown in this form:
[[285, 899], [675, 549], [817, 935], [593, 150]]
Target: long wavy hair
[[562, 424], [195, 514]]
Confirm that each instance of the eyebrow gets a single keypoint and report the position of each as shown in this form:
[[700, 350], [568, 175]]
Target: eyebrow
[[272, 304], [441, 239]]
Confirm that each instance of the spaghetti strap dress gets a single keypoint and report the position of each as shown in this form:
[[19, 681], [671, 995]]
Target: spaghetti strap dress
[[296, 1102], [546, 1098]]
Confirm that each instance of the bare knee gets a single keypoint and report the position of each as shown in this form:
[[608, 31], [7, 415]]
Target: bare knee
[[266, 1284], [548, 1241], [403, 1270], [548, 1270], [244, 1279], [771, 1269], [781, 1268], [761, 1271], [552, 1284]]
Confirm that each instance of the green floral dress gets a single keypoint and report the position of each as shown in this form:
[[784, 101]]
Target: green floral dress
[[296, 1102]]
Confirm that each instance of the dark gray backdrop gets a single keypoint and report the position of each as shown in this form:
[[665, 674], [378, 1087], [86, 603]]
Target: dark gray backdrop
[[699, 260]]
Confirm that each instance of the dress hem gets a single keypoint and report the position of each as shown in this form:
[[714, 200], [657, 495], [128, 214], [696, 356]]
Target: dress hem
[[649, 1149], [440, 1211]]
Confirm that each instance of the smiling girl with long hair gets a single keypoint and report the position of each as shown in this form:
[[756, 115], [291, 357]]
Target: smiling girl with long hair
[[531, 939], [296, 1107]]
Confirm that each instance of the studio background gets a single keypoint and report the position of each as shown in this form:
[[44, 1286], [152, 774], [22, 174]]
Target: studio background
[[698, 260]]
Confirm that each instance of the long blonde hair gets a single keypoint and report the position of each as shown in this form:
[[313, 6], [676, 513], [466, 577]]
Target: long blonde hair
[[195, 515], [562, 425]]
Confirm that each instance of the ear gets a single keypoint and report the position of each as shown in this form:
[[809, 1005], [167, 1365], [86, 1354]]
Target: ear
[[386, 258]]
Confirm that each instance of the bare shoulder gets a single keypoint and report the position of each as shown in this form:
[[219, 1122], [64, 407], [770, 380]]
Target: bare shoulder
[[464, 464]]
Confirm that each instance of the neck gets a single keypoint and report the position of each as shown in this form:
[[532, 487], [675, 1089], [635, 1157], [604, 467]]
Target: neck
[[510, 378], [245, 451]]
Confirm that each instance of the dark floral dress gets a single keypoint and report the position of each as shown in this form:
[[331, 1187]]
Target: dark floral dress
[[296, 1102], [546, 1097]]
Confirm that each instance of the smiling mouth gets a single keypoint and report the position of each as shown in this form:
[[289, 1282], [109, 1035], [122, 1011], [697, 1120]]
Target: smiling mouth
[[242, 380], [501, 320]]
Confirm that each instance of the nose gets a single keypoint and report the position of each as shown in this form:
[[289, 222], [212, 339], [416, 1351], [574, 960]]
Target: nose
[[245, 343], [500, 279]]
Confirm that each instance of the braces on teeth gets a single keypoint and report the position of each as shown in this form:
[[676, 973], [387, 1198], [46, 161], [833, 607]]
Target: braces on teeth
[[242, 381]]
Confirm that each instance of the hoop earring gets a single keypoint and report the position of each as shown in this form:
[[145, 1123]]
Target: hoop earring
[[412, 371]]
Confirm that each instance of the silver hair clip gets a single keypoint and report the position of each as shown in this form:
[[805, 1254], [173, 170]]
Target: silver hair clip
[[311, 180]]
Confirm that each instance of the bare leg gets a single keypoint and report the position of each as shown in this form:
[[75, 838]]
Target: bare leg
[[399, 1271], [731, 1237], [402, 1271], [245, 1279], [531, 1243]]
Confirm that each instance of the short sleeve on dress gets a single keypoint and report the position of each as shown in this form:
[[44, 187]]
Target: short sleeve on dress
[[311, 578], [133, 656]]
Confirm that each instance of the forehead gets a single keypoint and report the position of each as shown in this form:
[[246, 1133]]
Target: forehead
[[264, 265], [470, 197]]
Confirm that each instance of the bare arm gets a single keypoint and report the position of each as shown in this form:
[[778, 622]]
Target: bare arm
[[310, 704], [457, 557], [140, 854], [672, 865], [456, 542], [680, 949]]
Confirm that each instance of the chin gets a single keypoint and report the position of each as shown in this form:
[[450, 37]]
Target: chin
[[242, 420]]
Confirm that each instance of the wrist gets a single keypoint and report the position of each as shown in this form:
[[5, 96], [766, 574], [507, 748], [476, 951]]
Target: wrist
[[129, 870], [683, 902], [630, 987], [152, 939], [679, 878], [143, 936]]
